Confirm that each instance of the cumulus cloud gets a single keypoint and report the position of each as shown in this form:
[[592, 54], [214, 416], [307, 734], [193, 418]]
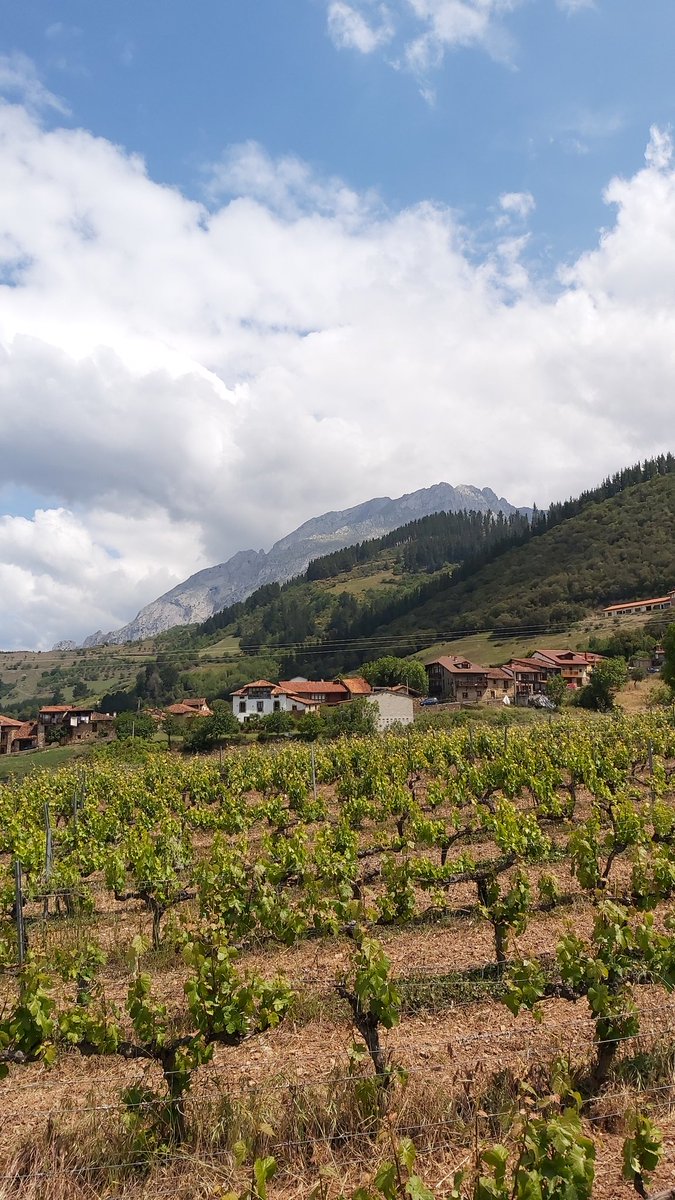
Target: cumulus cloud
[[423, 31], [350, 29], [19, 79], [517, 204], [187, 380]]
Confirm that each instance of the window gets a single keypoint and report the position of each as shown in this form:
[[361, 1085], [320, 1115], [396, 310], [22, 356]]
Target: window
[[465, 695], [242, 706], [277, 705], [260, 706]]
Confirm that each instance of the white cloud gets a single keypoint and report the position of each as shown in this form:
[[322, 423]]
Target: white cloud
[[350, 29], [190, 381], [287, 185], [517, 204], [450, 23], [19, 80], [574, 6], [659, 152], [437, 27]]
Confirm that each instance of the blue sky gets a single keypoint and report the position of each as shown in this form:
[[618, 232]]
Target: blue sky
[[264, 258], [569, 105]]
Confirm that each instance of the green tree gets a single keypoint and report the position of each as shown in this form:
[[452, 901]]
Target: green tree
[[355, 717], [171, 726], [310, 726], [607, 679], [134, 724], [206, 733], [79, 690], [278, 722], [556, 689], [390, 670]]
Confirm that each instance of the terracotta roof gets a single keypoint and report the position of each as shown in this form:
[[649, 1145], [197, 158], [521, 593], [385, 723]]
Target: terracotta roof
[[27, 730], [459, 666], [569, 658], [187, 710], [66, 708], [312, 686], [97, 716], [194, 701], [534, 666], [639, 603], [9, 721], [300, 699], [257, 683], [356, 685], [498, 673]]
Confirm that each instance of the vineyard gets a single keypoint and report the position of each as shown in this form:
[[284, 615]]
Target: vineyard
[[433, 965]]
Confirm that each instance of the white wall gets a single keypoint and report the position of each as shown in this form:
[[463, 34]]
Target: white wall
[[392, 709]]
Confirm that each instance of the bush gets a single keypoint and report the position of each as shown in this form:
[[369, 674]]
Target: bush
[[607, 679]]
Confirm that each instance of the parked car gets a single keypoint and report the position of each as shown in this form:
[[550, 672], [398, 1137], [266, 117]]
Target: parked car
[[429, 700]]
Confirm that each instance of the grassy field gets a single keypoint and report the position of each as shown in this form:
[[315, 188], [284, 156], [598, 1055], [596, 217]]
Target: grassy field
[[18, 766]]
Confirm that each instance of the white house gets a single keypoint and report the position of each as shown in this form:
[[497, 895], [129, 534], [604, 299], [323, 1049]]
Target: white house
[[260, 698], [393, 708]]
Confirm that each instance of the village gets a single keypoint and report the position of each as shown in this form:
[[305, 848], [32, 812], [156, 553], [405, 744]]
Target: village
[[452, 681]]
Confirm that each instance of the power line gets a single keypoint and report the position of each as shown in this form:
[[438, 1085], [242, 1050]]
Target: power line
[[329, 646]]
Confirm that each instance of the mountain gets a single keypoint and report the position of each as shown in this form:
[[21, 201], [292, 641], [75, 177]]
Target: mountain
[[214, 588], [609, 544]]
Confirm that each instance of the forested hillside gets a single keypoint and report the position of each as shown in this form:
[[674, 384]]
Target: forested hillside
[[615, 549], [461, 572]]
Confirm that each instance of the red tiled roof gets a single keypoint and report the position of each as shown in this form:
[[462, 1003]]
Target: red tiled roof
[[257, 683], [97, 716], [187, 710], [356, 685], [10, 722], [562, 658], [312, 686], [459, 666], [66, 708], [498, 673], [27, 730], [639, 603], [533, 666]]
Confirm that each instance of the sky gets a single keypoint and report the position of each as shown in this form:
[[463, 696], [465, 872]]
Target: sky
[[260, 259]]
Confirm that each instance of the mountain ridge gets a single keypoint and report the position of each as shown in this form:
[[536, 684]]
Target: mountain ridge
[[213, 588]]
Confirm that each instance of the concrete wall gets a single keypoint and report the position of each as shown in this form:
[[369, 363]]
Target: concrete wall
[[392, 709]]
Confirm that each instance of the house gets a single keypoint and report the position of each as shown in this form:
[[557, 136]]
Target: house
[[25, 738], [392, 708], [187, 708], [321, 691], [260, 698], [459, 680], [299, 695], [8, 731], [575, 666], [634, 607], [529, 678], [355, 685], [72, 723]]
